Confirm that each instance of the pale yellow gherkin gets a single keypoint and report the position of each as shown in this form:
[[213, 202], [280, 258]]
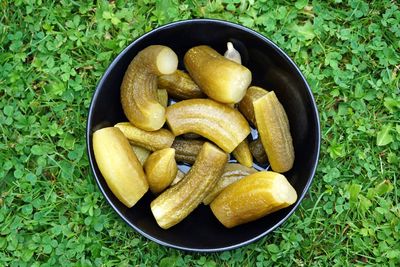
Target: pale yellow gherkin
[[242, 154], [246, 105], [253, 197], [161, 169], [141, 153], [119, 166], [274, 131]]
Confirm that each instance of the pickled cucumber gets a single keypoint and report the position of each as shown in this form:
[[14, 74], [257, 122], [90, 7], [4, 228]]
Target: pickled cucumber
[[154, 140], [233, 172], [246, 105], [161, 169], [253, 197], [139, 86], [180, 86], [177, 202], [186, 150], [258, 151], [119, 166], [274, 131], [218, 77], [223, 125], [242, 154], [141, 153]]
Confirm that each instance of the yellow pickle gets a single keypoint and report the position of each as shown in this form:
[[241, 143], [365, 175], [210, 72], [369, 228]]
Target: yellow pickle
[[139, 97], [253, 197], [221, 124], [274, 132], [177, 202], [119, 165]]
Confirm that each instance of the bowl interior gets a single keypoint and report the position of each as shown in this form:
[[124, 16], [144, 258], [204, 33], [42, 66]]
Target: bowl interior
[[272, 70]]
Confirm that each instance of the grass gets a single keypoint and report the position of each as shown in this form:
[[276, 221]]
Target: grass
[[52, 55]]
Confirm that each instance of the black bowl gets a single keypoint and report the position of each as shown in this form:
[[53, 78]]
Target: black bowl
[[272, 69]]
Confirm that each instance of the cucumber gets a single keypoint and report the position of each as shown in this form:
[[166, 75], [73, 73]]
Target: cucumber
[[221, 124], [218, 77], [177, 202], [139, 97], [253, 197], [274, 131]]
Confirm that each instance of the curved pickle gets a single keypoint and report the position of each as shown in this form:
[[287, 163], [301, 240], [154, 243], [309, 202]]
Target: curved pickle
[[253, 197], [139, 86], [161, 169], [180, 86], [274, 132], [218, 77], [217, 122], [152, 141], [233, 172], [119, 166], [177, 202], [246, 105], [242, 154]]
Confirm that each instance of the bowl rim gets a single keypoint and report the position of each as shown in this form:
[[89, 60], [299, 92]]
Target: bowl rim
[[275, 47]]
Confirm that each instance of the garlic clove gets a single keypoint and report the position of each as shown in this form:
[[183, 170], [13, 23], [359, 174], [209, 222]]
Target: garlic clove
[[232, 54]]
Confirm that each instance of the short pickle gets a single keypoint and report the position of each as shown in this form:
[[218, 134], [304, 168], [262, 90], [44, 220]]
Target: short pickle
[[187, 149], [119, 165], [162, 96], [246, 105], [258, 151], [253, 197], [161, 169], [218, 77], [242, 154], [141, 153]]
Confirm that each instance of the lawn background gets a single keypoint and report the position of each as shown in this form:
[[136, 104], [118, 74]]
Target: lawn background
[[53, 53]]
